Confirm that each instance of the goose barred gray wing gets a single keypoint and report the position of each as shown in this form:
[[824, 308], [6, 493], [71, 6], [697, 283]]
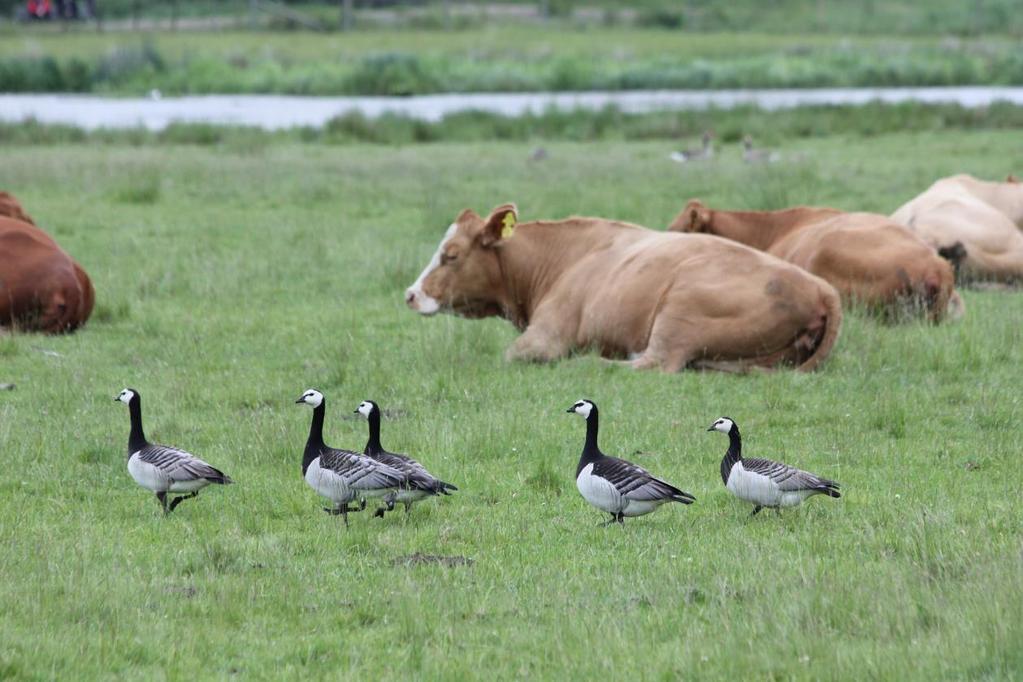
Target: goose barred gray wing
[[179, 465], [419, 478], [361, 472], [636, 483], [790, 479]]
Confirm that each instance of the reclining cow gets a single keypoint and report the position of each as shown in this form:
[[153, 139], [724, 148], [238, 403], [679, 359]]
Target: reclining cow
[[866, 256], [41, 287], [660, 300], [975, 222]]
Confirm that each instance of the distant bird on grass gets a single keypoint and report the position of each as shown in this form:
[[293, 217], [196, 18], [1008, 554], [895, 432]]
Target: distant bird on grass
[[765, 483], [161, 468], [613, 485], [342, 475], [421, 483], [752, 155], [703, 153]]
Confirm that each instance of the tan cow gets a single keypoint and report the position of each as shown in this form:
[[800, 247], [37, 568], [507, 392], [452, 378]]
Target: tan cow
[[661, 300], [961, 213], [41, 287], [866, 256]]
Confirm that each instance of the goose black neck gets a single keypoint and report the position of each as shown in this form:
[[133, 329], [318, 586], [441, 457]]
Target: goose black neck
[[591, 451], [137, 437], [315, 444], [373, 445], [734, 453]]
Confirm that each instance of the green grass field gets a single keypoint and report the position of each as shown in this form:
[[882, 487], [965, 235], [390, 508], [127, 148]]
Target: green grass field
[[230, 278], [490, 58]]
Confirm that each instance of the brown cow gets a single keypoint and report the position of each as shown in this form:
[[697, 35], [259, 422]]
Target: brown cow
[[977, 221], [41, 287], [661, 300], [866, 256]]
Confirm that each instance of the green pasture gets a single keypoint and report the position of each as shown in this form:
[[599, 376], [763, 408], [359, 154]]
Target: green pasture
[[905, 17], [494, 57], [231, 277]]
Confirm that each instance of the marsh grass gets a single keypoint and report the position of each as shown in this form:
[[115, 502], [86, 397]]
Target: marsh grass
[[253, 278], [495, 58]]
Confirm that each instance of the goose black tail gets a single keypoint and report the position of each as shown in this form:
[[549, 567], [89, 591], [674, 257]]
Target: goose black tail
[[220, 478], [683, 497], [830, 488], [443, 488]]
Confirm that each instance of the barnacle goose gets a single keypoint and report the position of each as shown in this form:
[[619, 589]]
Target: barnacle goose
[[161, 468], [613, 485], [763, 482], [342, 475], [421, 482]]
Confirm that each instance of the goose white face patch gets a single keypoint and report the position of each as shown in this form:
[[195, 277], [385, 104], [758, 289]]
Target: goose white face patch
[[583, 408], [365, 407], [125, 396], [723, 425], [416, 297], [312, 397]]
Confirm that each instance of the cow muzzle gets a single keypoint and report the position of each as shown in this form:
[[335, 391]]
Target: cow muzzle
[[418, 301]]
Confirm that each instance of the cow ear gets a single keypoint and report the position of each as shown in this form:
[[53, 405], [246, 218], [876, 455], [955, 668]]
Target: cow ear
[[499, 225], [693, 218]]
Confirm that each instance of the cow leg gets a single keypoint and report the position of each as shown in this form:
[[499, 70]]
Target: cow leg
[[536, 345]]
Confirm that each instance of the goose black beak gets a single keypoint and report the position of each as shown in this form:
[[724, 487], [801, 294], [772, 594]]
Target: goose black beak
[[355, 412], [299, 401], [117, 398], [571, 409], [711, 428]]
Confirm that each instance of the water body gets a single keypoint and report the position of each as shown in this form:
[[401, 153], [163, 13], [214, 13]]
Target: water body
[[284, 111]]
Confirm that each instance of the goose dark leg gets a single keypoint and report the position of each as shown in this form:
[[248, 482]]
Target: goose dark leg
[[756, 510], [178, 500], [621, 518], [379, 513], [162, 498], [408, 508], [341, 509], [614, 517]]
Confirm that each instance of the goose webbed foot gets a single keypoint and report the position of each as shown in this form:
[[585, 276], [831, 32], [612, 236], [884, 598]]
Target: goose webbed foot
[[178, 500]]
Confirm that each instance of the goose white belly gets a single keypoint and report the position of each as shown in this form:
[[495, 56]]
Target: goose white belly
[[598, 491], [640, 507], [761, 490], [413, 495], [375, 492], [328, 484], [753, 487], [152, 478]]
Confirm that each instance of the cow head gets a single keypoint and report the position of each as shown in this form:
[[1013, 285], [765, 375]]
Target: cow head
[[10, 207], [464, 277], [695, 217]]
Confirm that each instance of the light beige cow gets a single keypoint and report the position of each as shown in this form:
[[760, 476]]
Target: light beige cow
[[974, 222], [659, 300], [869, 258]]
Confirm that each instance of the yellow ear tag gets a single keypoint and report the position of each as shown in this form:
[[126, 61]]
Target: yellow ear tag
[[508, 225]]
